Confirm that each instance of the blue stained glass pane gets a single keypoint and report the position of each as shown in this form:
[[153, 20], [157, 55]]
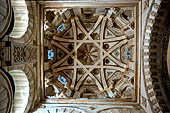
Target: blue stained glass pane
[[61, 27], [127, 53], [62, 80], [50, 54]]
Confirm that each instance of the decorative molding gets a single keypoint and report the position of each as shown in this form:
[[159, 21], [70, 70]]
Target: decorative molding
[[144, 101], [150, 55], [22, 53], [122, 110], [146, 4]]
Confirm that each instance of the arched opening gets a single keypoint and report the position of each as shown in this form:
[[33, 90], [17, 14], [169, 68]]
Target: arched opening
[[155, 46], [21, 92], [21, 18], [6, 91], [6, 17]]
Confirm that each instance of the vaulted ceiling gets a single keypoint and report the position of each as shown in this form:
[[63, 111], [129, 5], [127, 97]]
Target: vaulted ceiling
[[91, 53], [90, 57]]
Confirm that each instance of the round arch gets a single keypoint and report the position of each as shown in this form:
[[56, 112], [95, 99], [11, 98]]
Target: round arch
[[24, 25], [22, 91], [21, 18], [151, 56], [27, 74], [6, 91], [6, 16]]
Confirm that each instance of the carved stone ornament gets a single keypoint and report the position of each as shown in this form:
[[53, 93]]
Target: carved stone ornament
[[146, 4], [90, 53], [144, 101], [23, 53]]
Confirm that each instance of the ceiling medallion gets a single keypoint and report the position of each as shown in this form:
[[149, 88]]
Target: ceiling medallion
[[88, 54], [93, 53]]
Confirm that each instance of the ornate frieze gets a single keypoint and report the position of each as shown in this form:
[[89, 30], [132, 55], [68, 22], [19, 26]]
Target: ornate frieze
[[154, 52]]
